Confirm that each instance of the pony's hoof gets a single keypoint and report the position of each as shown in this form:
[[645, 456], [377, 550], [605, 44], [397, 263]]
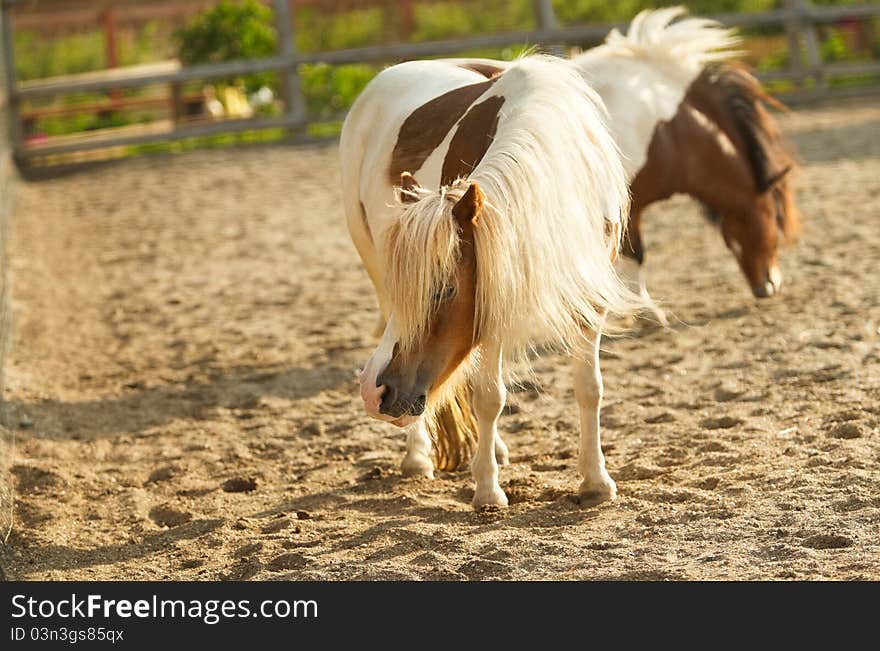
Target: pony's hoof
[[491, 498], [417, 465], [592, 493]]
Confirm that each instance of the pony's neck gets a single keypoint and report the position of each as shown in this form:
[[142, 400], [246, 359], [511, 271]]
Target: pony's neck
[[716, 171], [692, 154]]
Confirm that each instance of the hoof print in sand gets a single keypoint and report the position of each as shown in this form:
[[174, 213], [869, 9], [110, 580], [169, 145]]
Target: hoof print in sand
[[288, 561], [168, 516], [847, 431], [828, 541], [239, 485], [724, 422]]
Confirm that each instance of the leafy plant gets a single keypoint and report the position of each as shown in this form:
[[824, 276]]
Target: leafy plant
[[227, 32]]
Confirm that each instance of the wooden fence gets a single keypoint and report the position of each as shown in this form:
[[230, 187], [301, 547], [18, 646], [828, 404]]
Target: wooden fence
[[798, 18]]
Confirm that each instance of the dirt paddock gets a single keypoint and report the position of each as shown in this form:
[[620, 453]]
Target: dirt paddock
[[183, 392]]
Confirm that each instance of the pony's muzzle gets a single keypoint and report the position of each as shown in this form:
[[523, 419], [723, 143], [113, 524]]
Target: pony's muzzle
[[396, 403]]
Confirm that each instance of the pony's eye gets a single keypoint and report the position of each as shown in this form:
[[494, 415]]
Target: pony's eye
[[444, 294]]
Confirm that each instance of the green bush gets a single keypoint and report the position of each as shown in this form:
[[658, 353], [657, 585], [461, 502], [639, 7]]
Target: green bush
[[330, 90], [227, 32]]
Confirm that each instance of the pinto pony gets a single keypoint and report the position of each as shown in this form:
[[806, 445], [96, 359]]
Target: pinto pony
[[507, 240], [691, 121]]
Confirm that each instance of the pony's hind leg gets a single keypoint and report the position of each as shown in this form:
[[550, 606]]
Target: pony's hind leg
[[418, 462], [488, 400], [597, 485]]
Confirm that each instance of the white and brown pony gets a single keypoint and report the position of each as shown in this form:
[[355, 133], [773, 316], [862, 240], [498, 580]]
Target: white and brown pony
[[507, 241], [691, 121]]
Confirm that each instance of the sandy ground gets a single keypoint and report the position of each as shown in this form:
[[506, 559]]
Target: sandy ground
[[183, 392]]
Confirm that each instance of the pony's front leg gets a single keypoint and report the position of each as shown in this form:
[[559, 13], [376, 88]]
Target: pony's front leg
[[418, 462], [488, 400], [597, 485]]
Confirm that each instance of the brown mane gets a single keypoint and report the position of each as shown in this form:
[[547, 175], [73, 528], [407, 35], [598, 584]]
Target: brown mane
[[737, 106]]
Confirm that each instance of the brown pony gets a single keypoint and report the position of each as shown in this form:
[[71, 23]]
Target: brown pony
[[723, 148]]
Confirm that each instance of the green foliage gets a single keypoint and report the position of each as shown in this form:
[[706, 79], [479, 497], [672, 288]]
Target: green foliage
[[37, 57], [581, 11], [227, 32], [834, 47], [331, 89], [444, 20], [318, 31], [58, 126]]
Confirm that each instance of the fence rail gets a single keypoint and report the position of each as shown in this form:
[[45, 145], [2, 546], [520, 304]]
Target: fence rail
[[799, 18]]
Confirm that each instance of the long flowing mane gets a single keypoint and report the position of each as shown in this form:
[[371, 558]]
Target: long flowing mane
[[690, 42], [555, 211]]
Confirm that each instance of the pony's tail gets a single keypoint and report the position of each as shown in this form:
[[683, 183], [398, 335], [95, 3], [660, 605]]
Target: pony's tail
[[453, 430]]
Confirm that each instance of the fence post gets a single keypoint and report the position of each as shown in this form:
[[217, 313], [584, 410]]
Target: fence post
[[546, 19], [802, 23], [795, 54], [545, 14], [407, 19], [16, 137], [111, 50], [291, 92]]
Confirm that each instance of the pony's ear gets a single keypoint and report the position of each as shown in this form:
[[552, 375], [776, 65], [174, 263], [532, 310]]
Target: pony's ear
[[408, 188], [468, 208]]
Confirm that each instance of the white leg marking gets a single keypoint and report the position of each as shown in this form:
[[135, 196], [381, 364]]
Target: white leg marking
[[488, 400], [597, 485], [418, 462]]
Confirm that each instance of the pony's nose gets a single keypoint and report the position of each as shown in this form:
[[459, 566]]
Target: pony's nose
[[389, 405], [417, 407], [396, 404]]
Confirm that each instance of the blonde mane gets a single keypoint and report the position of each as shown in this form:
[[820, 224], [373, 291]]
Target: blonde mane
[[555, 212], [690, 43]]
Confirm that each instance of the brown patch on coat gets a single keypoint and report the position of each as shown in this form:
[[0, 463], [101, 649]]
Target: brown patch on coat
[[471, 140], [426, 127], [486, 69], [746, 189]]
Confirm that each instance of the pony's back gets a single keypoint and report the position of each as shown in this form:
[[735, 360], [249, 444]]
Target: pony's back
[[643, 76]]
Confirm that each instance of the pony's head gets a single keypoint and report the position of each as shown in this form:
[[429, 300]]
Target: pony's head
[[753, 204], [431, 275], [755, 234]]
